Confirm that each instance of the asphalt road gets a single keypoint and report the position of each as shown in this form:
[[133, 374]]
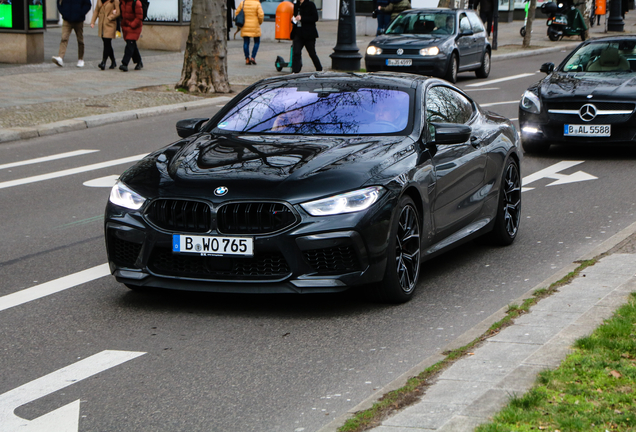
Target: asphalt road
[[209, 362]]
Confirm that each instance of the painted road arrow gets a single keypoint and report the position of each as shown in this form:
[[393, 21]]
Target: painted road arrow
[[66, 418], [552, 172]]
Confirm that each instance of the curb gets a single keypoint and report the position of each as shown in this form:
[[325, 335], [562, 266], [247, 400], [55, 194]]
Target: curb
[[15, 134], [478, 330]]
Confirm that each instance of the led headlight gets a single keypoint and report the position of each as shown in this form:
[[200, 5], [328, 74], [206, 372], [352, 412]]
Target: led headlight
[[349, 202], [373, 50], [123, 196], [530, 102], [430, 51]]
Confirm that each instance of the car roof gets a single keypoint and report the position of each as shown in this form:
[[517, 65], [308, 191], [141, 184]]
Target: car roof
[[380, 78]]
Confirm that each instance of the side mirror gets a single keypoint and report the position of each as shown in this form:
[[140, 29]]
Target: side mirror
[[451, 133], [547, 68], [188, 127], [466, 32]]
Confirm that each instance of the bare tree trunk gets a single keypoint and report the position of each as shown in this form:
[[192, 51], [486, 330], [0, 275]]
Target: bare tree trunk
[[205, 60], [530, 21]]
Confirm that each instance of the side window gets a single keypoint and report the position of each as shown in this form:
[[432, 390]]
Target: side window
[[478, 26], [464, 24], [445, 105]]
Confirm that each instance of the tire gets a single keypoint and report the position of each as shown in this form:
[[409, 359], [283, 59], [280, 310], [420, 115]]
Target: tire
[[522, 31], [403, 255], [279, 63], [535, 147], [453, 66], [553, 35], [484, 69], [508, 215]]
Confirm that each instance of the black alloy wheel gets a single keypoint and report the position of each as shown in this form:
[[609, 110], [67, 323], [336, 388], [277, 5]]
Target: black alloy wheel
[[509, 209], [453, 66], [403, 261]]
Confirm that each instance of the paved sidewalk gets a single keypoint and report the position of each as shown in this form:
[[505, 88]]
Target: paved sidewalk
[[40, 99]]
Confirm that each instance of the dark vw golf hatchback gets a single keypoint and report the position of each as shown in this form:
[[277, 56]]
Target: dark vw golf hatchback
[[437, 42], [317, 183]]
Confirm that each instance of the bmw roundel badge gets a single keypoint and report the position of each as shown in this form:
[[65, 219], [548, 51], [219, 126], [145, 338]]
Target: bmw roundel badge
[[220, 191]]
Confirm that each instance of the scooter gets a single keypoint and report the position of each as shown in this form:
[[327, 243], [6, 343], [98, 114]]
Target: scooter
[[522, 30], [563, 21]]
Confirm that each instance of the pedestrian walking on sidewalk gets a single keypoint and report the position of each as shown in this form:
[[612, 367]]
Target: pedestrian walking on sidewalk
[[73, 15], [132, 16], [231, 6], [106, 11], [254, 17], [304, 34], [486, 13], [384, 18], [395, 7]]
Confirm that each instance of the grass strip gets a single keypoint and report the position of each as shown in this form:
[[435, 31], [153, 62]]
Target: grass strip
[[592, 390], [415, 386]]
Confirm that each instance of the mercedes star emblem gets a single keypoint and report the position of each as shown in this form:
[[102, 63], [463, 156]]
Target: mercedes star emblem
[[587, 112], [220, 191], [400, 51]]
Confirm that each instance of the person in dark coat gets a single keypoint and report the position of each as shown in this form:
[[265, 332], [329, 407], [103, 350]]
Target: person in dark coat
[[132, 16], [383, 17], [73, 15], [231, 5], [304, 34], [486, 12]]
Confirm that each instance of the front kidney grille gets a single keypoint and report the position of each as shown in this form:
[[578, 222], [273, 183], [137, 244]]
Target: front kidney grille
[[180, 215], [263, 266], [123, 253], [254, 218], [336, 260]]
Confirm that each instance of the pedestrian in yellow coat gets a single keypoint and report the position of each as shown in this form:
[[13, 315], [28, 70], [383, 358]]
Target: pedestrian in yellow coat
[[252, 28]]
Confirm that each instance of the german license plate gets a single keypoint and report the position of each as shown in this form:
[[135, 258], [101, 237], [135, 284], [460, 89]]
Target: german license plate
[[212, 245], [399, 62], [587, 130]]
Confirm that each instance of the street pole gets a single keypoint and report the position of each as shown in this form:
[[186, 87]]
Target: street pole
[[345, 56], [615, 22]]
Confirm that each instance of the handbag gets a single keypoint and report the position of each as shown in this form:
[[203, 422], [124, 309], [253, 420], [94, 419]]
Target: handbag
[[240, 18]]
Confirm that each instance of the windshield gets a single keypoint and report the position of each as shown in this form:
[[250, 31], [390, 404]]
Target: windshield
[[439, 23], [322, 110], [615, 56]]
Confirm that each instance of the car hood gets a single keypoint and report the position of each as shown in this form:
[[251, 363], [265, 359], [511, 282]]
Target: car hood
[[408, 40], [285, 168], [617, 86]]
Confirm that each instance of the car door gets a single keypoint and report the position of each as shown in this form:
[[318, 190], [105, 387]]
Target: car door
[[459, 169], [479, 34], [466, 42]]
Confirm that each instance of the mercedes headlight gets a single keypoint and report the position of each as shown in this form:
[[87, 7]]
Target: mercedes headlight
[[349, 202], [530, 102], [123, 196], [430, 51], [374, 50]]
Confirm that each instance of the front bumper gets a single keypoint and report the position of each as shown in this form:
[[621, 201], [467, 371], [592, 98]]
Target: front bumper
[[550, 129], [432, 66], [326, 254]]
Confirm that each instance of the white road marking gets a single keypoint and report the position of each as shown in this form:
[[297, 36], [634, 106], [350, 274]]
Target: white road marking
[[105, 182], [52, 287], [47, 158], [70, 171], [498, 80], [66, 418], [500, 103], [485, 89], [552, 172]]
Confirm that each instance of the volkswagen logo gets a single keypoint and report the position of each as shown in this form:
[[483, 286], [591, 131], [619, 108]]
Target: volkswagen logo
[[587, 112], [400, 51], [220, 191]]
